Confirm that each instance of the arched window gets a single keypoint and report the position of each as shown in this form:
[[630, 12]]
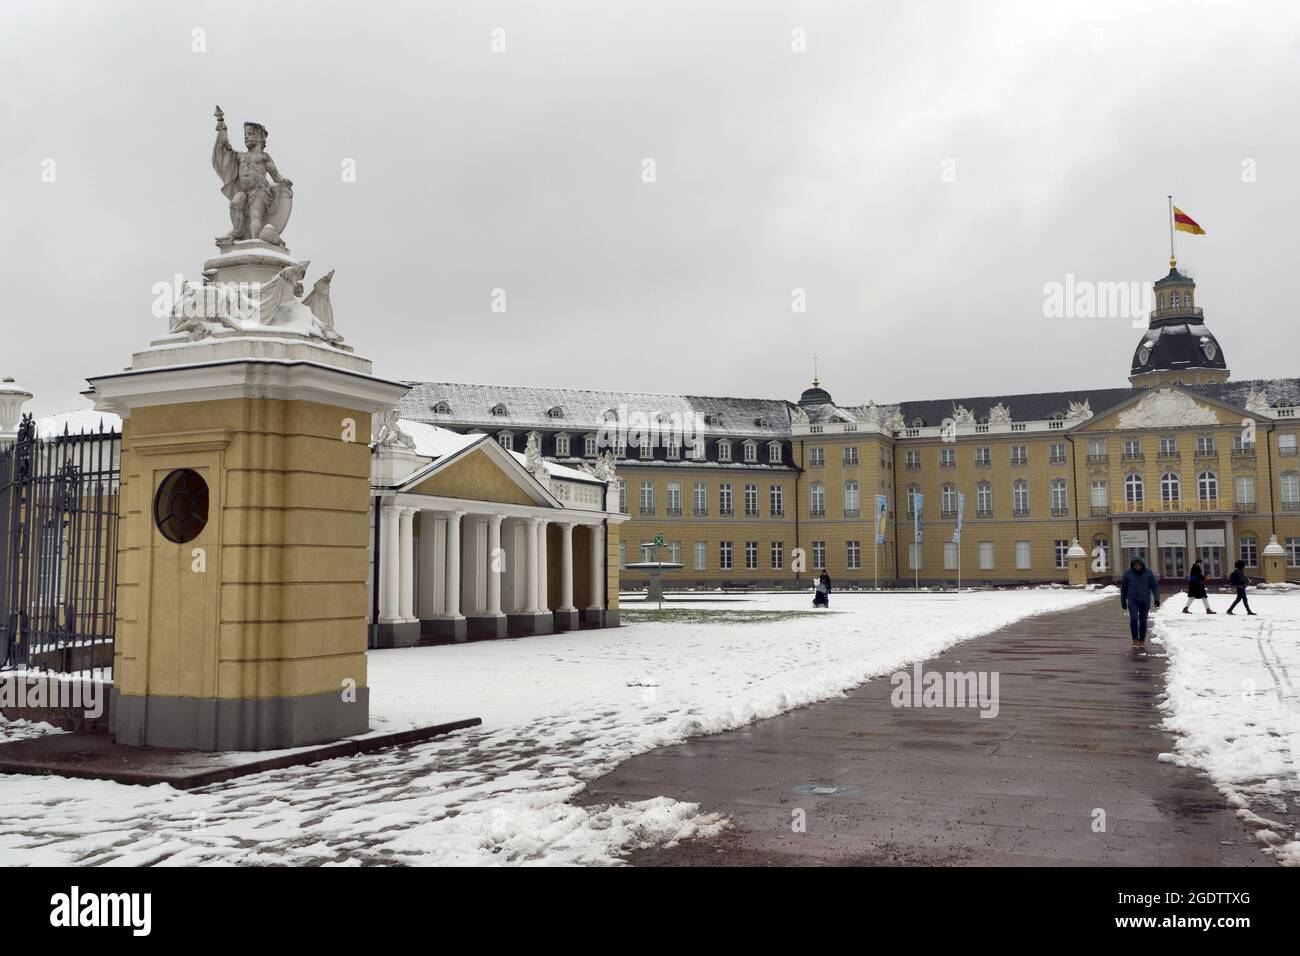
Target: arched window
[[1134, 489], [441, 408], [1171, 489], [1207, 486]]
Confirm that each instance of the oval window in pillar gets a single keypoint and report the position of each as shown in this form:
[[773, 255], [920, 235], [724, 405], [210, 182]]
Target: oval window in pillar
[[180, 507]]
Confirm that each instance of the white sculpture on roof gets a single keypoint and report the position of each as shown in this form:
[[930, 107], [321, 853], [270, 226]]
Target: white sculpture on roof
[[999, 414], [1166, 407], [1079, 411], [895, 422], [390, 434], [871, 414], [1257, 400], [963, 415]]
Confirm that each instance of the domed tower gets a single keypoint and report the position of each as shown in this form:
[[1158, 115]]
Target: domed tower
[[1177, 346], [815, 396]]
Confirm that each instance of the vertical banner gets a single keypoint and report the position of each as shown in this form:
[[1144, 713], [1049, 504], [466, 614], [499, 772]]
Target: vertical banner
[[916, 520], [961, 511], [882, 505]]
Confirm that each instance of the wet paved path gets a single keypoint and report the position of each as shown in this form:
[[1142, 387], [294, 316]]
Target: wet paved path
[[1077, 732]]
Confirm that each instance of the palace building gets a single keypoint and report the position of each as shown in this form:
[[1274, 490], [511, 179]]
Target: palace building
[[1183, 464]]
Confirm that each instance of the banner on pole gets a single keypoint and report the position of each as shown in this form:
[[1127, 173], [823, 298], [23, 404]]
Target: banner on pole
[[916, 519], [882, 506], [961, 511]]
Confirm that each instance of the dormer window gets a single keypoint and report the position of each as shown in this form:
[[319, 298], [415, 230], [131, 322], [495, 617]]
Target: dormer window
[[562, 445], [774, 452], [441, 408], [555, 411], [713, 419], [588, 446], [500, 409], [506, 440], [724, 450], [751, 451], [762, 422], [610, 415]]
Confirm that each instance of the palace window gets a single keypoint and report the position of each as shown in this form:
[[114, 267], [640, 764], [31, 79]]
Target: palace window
[[947, 457], [912, 492], [1293, 552], [817, 499], [776, 500], [622, 554], [588, 446], [555, 411], [645, 450], [1100, 494], [700, 497], [1020, 497], [1286, 443], [751, 555], [1250, 550], [913, 459], [506, 440], [674, 498], [853, 554], [1132, 449], [850, 454], [751, 501], [1134, 488], [675, 552], [819, 554], [1245, 489], [1290, 490], [1097, 449], [697, 448], [1207, 486], [774, 453], [1241, 447], [622, 495], [751, 451], [724, 555], [778, 555], [1171, 488], [1168, 447], [1056, 453], [647, 497], [673, 450], [1022, 556], [986, 555], [1205, 444], [983, 456], [499, 409], [441, 408], [1062, 549], [701, 555], [561, 446], [949, 556], [1019, 455], [948, 501], [913, 557], [816, 457], [1060, 497], [724, 450], [984, 500], [724, 500], [852, 500]]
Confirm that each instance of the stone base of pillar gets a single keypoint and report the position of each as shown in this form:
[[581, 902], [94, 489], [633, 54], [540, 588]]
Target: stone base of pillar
[[524, 623], [395, 634], [598, 617], [254, 723], [566, 619], [486, 625], [445, 626]]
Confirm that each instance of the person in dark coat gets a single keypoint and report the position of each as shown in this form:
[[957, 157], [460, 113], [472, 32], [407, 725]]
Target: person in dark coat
[[1138, 593], [1238, 580], [823, 596], [1196, 589]]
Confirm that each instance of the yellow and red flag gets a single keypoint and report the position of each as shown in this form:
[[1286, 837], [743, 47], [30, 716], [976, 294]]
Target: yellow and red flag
[[1185, 223]]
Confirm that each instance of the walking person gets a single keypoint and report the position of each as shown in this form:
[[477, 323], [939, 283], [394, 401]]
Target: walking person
[[1138, 593], [823, 596], [1238, 580], [1196, 589]]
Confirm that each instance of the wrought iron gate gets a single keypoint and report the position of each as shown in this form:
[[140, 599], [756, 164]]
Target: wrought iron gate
[[59, 500]]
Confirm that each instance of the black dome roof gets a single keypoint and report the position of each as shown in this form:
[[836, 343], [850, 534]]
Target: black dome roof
[[1177, 346], [815, 396]]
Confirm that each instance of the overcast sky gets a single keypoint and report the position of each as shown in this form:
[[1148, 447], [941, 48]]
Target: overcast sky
[[921, 171]]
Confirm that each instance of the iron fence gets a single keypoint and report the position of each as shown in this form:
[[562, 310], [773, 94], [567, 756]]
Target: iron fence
[[59, 508]]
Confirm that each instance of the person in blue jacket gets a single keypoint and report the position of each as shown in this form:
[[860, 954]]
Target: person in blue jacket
[[1138, 593]]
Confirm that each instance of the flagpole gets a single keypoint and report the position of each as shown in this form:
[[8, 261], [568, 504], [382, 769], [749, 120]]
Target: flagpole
[[1172, 260]]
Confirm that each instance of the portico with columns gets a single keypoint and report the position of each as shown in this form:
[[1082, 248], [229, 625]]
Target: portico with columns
[[472, 542]]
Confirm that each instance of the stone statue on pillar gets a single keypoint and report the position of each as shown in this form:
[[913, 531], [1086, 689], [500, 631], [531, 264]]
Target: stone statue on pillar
[[258, 209]]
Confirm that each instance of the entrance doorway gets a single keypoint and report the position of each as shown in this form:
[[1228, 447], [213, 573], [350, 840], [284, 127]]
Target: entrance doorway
[[1173, 562]]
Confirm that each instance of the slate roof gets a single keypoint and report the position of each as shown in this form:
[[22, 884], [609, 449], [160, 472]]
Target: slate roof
[[1175, 347], [1026, 406], [583, 410]]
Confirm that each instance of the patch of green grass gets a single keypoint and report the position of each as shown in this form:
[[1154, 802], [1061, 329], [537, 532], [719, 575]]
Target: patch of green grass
[[689, 615]]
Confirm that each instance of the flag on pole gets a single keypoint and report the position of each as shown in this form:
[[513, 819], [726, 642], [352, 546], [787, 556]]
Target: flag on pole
[[1185, 223], [882, 506], [961, 510], [916, 518]]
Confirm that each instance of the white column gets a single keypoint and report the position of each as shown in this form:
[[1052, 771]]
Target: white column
[[530, 555], [390, 566], [543, 591], [453, 562], [494, 557], [566, 566], [406, 564], [597, 567]]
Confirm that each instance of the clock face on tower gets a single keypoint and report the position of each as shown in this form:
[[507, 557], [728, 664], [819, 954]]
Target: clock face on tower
[[1210, 350], [1144, 353]]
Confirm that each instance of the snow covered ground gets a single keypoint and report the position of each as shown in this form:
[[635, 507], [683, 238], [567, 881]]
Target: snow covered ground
[[557, 711], [1233, 704]]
